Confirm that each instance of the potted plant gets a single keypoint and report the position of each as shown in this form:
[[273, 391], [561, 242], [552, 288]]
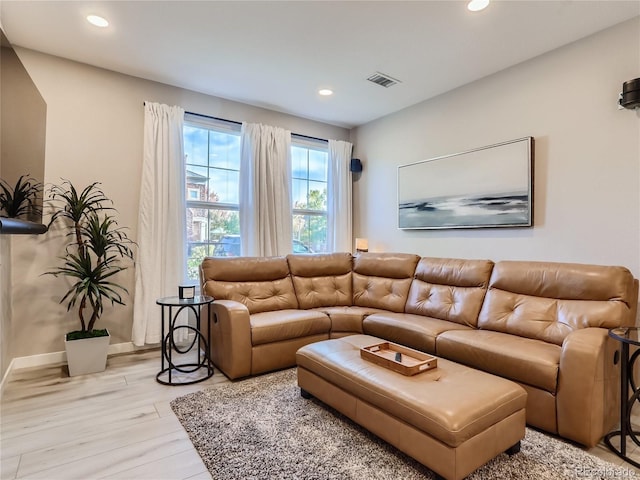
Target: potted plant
[[21, 199], [96, 251]]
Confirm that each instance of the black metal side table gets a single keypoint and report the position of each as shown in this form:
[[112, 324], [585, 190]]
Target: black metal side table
[[627, 336], [171, 308]]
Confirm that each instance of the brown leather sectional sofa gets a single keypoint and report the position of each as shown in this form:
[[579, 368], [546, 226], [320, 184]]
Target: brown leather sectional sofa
[[542, 325]]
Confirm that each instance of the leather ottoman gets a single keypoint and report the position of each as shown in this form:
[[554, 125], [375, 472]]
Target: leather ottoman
[[452, 419]]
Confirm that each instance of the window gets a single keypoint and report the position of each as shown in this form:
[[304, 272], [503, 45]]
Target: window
[[212, 159], [212, 167], [309, 162], [193, 193]]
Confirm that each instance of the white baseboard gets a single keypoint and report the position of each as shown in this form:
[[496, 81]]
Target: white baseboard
[[54, 358], [6, 376]]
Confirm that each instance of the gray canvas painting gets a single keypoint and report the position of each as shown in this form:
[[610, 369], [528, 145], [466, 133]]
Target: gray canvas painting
[[487, 187]]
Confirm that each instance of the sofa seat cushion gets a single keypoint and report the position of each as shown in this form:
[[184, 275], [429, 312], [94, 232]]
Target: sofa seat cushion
[[347, 319], [415, 331], [524, 360], [268, 327]]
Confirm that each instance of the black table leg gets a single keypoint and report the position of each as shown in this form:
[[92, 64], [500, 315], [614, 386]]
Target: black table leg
[[169, 345], [626, 406]]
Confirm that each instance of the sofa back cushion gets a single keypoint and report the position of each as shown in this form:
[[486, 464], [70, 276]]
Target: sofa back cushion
[[546, 301], [263, 284], [449, 289], [322, 280], [382, 280]]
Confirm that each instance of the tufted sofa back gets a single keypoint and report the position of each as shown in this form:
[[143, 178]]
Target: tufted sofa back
[[547, 301], [449, 289], [539, 300], [263, 284], [382, 280], [322, 280]]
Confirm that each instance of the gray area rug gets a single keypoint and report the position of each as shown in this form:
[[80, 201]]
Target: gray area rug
[[262, 428]]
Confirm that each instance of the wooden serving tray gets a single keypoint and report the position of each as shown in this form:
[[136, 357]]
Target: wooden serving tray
[[411, 361]]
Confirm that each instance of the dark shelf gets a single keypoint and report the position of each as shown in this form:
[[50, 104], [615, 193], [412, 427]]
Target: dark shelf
[[15, 226]]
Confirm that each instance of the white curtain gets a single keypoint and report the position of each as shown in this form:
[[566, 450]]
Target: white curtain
[[265, 190], [160, 266], [339, 226]]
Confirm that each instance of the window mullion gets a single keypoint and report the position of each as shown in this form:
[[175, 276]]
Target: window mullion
[[213, 205], [306, 211]]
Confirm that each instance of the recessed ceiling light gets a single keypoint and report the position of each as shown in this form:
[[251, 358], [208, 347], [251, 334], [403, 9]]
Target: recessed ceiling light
[[477, 5], [325, 92], [97, 21]]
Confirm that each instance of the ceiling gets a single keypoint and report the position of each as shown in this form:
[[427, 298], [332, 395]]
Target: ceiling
[[277, 54]]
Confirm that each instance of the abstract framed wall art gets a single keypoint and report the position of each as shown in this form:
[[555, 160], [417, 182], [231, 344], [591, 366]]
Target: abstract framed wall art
[[486, 187]]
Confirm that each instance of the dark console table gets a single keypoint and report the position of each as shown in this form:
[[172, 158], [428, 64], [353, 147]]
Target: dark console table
[[198, 366], [629, 391]]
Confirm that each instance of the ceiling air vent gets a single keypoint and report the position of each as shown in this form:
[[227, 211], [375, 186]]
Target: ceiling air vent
[[383, 80]]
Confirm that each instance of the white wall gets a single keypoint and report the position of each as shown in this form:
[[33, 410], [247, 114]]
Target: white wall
[[94, 133], [587, 156]]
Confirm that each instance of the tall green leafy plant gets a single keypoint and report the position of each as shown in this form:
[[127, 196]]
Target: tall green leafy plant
[[21, 199], [96, 252]]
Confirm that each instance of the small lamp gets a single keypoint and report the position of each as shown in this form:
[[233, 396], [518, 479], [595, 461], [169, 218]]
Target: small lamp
[[362, 245]]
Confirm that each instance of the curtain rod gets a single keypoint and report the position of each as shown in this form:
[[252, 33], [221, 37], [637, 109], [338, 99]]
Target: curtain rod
[[240, 123], [213, 118]]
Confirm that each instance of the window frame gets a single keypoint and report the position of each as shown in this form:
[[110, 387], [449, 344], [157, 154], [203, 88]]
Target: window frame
[[207, 207], [321, 146], [219, 126]]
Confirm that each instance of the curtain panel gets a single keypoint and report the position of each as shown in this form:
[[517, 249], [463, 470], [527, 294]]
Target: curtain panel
[[339, 207], [265, 190], [160, 266]]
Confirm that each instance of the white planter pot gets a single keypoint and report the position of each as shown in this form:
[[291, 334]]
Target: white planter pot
[[87, 355]]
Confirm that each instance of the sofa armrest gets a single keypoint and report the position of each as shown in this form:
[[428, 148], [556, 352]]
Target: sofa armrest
[[588, 393], [230, 338]]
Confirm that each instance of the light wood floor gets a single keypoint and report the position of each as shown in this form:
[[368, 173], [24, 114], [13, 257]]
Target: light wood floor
[[114, 424]]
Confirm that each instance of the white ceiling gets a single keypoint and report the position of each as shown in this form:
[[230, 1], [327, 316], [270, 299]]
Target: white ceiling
[[277, 54]]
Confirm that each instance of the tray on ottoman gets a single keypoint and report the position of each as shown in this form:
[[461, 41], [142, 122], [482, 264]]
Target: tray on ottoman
[[398, 358]]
